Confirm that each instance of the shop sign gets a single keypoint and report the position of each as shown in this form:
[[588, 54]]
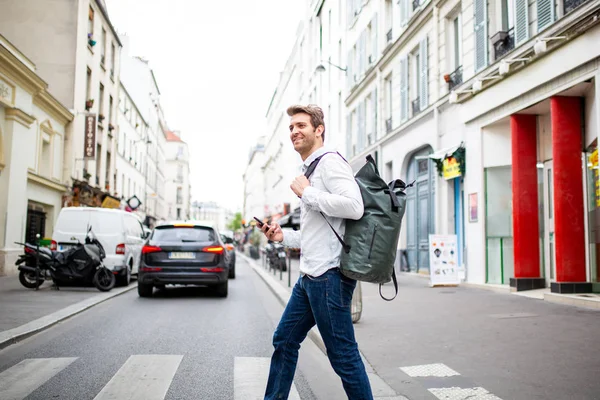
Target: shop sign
[[593, 165], [111, 202], [451, 168], [89, 148], [443, 260]]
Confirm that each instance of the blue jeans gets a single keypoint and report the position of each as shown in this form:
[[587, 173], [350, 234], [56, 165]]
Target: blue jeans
[[324, 300]]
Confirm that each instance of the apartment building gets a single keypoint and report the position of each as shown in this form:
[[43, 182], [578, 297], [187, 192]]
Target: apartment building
[[81, 65], [33, 126], [177, 172]]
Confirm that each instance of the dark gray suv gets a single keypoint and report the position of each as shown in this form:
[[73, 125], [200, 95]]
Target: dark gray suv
[[184, 253]]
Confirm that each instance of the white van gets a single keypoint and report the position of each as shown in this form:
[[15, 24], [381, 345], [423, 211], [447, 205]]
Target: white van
[[120, 232]]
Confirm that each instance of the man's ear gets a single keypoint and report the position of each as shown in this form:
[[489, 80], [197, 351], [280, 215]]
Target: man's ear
[[319, 131]]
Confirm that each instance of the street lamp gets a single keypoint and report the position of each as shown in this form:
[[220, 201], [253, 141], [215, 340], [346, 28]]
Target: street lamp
[[321, 67]]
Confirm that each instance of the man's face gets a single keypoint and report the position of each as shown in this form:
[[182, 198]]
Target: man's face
[[303, 135]]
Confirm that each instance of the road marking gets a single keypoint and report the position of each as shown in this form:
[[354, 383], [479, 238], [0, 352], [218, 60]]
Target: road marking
[[250, 379], [437, 370], [19, 381], [455, 393], [142, 377]]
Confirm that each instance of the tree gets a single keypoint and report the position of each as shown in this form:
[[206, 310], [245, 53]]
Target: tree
[[236, 222]]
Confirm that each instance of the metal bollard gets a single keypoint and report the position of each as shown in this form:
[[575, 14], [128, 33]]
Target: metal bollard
[[37, 262]]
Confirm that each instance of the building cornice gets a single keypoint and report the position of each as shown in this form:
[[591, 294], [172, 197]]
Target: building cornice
[[59, 187], [14, 69], [53, 107], [20, 116]]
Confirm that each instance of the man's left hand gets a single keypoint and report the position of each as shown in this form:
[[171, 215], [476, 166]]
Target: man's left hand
[[299, 184]]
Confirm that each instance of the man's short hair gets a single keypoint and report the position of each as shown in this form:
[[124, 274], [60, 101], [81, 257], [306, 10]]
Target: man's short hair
[[314, 111]]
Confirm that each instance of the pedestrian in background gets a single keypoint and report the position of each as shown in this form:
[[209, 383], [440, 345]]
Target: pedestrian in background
[[322, 295]]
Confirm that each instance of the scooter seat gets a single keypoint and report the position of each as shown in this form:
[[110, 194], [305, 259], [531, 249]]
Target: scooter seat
[[46, 251]]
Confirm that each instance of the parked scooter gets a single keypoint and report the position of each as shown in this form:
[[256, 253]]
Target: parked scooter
[[276, 256], [79, 264]]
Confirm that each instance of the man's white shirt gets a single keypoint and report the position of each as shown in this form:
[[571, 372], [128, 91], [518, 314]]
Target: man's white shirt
[[334, 192]]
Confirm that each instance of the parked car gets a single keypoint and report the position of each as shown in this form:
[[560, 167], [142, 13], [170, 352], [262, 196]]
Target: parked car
[[227, 237], [184, 253], [120, 233]]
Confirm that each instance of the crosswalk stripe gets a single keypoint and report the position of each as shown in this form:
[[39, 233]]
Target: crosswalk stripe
[[19, 381], [250, 379], [142, 377], [455, 393]]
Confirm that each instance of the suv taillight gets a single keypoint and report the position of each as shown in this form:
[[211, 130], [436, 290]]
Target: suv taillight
[[214, 249], [121, 248], [53, 245], [150, 249]]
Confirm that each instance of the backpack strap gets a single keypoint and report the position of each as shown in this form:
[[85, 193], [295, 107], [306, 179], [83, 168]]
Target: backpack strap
[[307, 174], [395, 286]]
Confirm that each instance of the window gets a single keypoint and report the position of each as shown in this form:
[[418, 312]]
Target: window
[[110, 110], [45, 167], [103, 47], [179, 196], [101, 100], [456, 43], [481, 34], [180, 173], [178, 213], [508, 15], [91, 21], [88, 87], [113, 56]]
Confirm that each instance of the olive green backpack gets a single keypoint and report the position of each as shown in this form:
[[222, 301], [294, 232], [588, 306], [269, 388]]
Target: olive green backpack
[[369, 244]]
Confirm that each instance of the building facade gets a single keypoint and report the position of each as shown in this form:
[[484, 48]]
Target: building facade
[[490, 108], [177, 173], [33, 126]]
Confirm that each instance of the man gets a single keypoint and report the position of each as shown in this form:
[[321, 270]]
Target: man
[[322, 295]]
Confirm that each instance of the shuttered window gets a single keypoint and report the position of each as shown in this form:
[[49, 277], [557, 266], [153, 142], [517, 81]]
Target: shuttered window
[[375, 102], [423, 75], [545, 13], [374, 50], [349, 135], [403, 88], [521, 21], [481, 35], [403, 12], [350, 74]]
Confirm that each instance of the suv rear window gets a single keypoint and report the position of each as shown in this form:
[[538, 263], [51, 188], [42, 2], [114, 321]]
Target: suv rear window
[[183, 234]]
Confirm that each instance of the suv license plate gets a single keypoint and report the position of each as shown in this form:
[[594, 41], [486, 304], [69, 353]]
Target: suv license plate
[[181, 256]]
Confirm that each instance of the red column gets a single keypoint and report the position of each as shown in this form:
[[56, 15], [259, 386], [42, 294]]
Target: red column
[[523, 129], [569, 234]]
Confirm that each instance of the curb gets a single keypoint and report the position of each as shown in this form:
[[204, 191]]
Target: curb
[[14, 335]]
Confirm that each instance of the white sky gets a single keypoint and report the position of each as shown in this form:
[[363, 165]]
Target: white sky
[[217, 64]]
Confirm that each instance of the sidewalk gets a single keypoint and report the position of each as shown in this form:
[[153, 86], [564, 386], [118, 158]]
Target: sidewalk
[[488, 338], [24, 312]]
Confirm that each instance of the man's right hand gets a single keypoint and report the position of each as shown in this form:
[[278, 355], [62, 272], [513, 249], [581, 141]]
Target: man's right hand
[[273, 232]]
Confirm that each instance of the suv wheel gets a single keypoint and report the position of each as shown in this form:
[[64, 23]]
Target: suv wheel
[[232, 272], [145, 290], [222, 289]]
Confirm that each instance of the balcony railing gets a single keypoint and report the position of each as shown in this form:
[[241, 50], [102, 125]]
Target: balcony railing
[[416, 106], [503, 43], [388, 36], [570, 5], [456, 78], [388, 125]]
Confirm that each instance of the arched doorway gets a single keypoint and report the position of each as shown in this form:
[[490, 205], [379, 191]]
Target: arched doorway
[[420, 208]]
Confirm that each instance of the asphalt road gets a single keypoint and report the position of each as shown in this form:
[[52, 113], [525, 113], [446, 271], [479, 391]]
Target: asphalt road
[[187, 342]]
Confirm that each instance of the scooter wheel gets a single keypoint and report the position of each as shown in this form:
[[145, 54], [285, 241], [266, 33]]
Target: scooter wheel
[[27, 279], [104, 280]]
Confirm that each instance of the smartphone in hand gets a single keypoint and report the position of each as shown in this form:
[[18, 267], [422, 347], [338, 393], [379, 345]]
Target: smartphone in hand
[[259, 222]]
